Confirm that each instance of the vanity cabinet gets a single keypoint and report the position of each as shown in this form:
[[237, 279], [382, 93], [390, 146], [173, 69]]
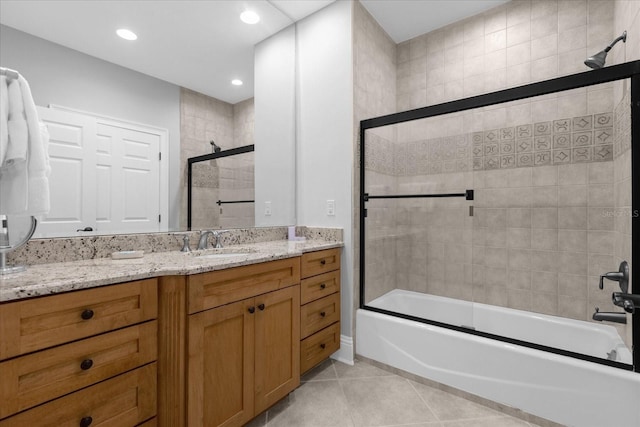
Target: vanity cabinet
[[242, 339], [320, 310], [80, 358]]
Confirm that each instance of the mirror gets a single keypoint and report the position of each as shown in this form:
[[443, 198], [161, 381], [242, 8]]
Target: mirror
[[64, 77], [224, 178]]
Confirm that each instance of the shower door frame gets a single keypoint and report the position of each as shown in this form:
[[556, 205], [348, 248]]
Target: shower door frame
[[627, 70]]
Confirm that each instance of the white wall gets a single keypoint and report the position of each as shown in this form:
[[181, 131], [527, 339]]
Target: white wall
[[324, 134], [275, 152], [62, 76]]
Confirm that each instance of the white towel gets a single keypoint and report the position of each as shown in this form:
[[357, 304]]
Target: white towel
[[38, 167], [24, 183], [14, 178], [17, 127], [4, 118]]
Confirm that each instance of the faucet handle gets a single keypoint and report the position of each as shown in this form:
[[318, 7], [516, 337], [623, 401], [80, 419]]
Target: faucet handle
[[216, 234], [185, 243], [621, 276]]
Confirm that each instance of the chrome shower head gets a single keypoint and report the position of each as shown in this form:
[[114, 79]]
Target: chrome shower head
[[597, 61]]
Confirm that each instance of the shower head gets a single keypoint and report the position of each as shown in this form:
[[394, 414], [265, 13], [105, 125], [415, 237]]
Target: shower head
[[216, 148], [597, 61]]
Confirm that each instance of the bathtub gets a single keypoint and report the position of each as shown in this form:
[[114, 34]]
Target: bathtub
[[563, 389]]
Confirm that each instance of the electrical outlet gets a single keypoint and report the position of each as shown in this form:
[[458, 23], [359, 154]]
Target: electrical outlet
[[267, 208], [331, 207]]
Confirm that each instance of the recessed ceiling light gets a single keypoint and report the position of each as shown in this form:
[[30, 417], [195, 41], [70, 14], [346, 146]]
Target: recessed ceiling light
[[236, 82], [126, 34], [249, 17]]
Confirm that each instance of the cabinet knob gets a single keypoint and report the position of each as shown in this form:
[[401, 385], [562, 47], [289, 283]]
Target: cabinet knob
[[86, 364], [323, 285], [86, 421], [87, 314], [323, 261], [322, 314], [252, 309], [261, 307], [323, 345]]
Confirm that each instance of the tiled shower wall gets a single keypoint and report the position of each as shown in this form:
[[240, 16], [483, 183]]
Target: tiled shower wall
[[626, 17], [203, 119], [374, 83], [546, 219]]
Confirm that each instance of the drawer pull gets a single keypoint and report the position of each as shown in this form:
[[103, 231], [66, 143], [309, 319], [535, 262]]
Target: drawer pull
[[322, 314], [323, 261], [87, 314], [323, 345], [261, 307], [86, 364], [252, 309], [86, 421], [323, 285]]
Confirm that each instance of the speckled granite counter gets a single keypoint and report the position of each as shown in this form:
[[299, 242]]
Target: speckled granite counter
[[47, 279]]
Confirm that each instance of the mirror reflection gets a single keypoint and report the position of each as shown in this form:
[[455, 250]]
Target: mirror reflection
[[66, 80], [221, 189]]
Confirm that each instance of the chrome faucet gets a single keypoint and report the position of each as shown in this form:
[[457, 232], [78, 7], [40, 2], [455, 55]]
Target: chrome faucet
[[621, 276], [202, 243], [216, 235]]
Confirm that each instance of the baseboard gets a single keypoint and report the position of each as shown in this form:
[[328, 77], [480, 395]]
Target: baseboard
[[345, 354]]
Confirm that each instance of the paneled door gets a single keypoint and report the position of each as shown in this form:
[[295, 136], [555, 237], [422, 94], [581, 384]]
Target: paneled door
[[105, 176], [127, 179], [72, 183]]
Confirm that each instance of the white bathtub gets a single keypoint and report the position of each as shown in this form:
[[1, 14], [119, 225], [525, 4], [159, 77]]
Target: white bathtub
[[559, 388]]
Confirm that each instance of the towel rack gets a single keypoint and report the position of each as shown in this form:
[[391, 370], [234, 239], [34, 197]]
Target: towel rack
[[11, 74]]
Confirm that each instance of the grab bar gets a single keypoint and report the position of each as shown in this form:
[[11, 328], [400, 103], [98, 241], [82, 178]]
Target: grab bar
[[468, 194], [221, 202]]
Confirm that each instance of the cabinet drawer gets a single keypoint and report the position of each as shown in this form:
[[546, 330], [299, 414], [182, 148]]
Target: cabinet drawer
[[319, 346], [39, 377], [320, 286], [319, 314], [35, 324], [209, 290], [123, 401], [319, 262]]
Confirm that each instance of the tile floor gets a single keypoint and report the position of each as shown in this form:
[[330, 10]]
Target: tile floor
[[338, 395]]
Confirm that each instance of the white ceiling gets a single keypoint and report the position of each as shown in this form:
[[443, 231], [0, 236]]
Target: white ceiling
[[203, 45], [406, 19]]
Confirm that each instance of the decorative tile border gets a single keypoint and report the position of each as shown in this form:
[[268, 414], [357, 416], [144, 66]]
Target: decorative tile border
[[622, 126], [581, 139]]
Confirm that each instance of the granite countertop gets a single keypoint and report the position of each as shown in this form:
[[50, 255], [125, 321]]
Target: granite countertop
[[48, 279]]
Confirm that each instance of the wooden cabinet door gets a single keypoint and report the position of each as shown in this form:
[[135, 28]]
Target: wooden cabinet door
[[220, 366], [277, 360]]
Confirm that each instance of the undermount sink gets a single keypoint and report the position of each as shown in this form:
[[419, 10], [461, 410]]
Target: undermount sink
[[227, 255], [221, 253]]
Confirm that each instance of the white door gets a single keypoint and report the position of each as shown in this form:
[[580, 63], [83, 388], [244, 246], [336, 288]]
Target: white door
[[105, 176], [72, 180], [128, 179]]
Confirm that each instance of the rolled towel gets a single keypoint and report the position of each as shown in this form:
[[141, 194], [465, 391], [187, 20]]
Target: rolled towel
[[4, 118], [38, 165], [18, 133]]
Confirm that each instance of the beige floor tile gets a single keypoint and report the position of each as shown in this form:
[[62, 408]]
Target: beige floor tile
[[488, 422], [324, 371], [449, 407], [384, 401], [358, 370], [313, 404]]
